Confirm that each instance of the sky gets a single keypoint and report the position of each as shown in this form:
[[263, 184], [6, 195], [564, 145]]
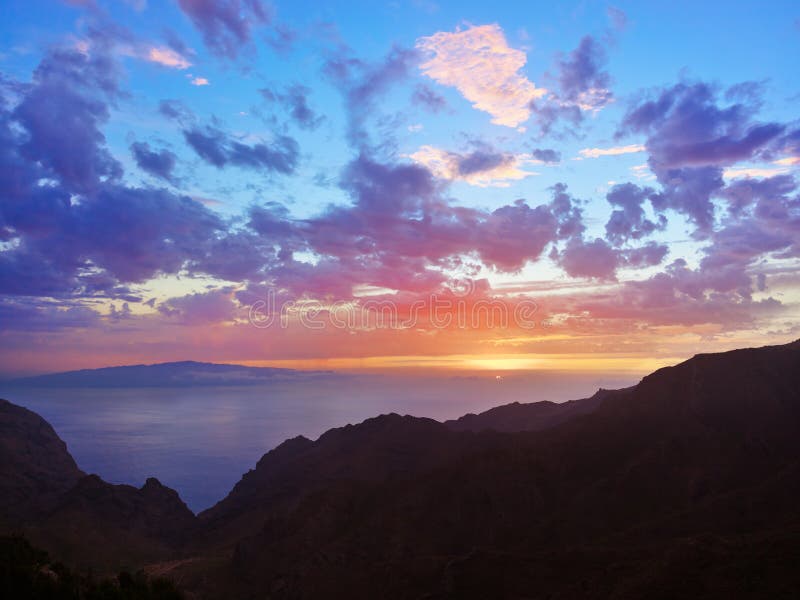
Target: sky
[[573, 186]]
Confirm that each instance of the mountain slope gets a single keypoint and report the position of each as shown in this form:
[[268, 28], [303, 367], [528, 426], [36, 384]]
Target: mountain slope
[[35, 467], [701, 458], [114, 527], [685, 485], [535, 416], [81, 518]]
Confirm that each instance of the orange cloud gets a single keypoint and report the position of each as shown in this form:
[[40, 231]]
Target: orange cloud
[[479, 63]]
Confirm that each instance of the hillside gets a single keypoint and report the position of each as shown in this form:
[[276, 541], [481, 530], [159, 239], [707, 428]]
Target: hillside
[[683, 486]]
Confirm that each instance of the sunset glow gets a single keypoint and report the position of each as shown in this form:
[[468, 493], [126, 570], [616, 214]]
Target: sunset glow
[[405, 186]]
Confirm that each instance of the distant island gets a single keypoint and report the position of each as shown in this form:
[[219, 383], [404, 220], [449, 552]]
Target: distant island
[[168, 374]]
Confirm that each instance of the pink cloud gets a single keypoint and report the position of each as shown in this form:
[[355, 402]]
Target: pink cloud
[[614, 151], [167, 57], [480, 64]]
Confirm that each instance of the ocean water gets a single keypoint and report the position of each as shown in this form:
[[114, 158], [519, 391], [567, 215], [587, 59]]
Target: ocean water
[[200, 440]]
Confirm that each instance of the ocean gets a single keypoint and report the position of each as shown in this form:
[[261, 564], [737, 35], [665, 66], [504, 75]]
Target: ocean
[[200, 440]]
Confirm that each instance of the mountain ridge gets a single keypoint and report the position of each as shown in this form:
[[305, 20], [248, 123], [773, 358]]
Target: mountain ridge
[[684, 485]]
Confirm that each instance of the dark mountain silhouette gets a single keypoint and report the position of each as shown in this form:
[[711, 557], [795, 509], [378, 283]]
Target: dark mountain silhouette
[[80, 518], [684, 486], [534, 416], [171, 374], [114, 527], [35, 467], [698, 460]]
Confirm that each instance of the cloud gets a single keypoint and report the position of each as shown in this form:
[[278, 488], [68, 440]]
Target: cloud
[[295, 100], [743, 193], [613, 151], [679, 295], [642, 171], [213, 306], [600, 258], [159, 164], [362, 84], [175, 109], [282, 38], [108, 38], [595, 259], [65, 109], [480, 64], [581, 79], [167, 57], [399, 232], [618, 18], [119, 235], [649, 255], [30, 315], [199, 81], [483, 167], [627, 221], [546, 155], [71, 227], [762, 222], [428, 99], [219, 149], [687, 128], [689, 191], [691, 138], [226, 25], [580, 84], [740, 172], [74, 228]]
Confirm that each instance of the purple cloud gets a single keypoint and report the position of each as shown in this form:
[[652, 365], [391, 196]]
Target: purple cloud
[[649, 255], [594, 259], [483, 159], [398, 229], [226, 25], [295, 100], [63, 110], [219, 149], [176, 110], [428, 99], [362, 84], [128, 234], [207, 307], [75, 229], [581, 78], [41, 316], [686, 127], [690, 138], [158, 164], [742, 194], [546, 155], [601, 258], [627, 221]]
